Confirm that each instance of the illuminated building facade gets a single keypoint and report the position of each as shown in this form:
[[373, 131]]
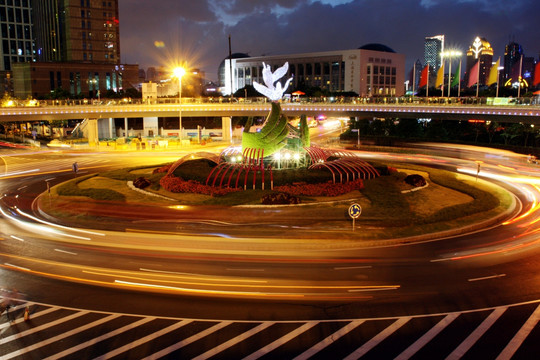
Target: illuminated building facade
[[371, 70], [480, 50], [433, 47], [77, 30]]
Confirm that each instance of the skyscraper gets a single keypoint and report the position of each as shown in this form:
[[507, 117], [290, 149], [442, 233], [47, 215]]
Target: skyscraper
[[16, 24], [512, 54], [480, 50], [77, 30], [433, 47]]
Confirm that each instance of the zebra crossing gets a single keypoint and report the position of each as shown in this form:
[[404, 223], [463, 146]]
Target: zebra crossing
[[51, 332]]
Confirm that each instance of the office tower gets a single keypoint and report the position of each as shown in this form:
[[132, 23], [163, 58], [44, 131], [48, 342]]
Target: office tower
[[16, 24], [433, 47], [77, 31], [512, 54], [480, 50]]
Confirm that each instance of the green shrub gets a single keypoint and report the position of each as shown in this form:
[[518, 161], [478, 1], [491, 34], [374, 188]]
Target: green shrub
[[71, 188]]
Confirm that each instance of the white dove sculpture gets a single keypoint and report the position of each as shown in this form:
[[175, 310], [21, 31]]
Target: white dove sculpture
[[272, 92]]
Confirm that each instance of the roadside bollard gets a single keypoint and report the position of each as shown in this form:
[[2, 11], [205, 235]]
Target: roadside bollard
[[27, 314]]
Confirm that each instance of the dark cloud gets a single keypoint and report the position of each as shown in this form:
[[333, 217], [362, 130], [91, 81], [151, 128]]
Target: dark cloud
[[199, 29]]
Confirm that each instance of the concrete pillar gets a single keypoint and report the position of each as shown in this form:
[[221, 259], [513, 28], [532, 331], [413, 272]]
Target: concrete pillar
[[92, 131], [126, 126], [226, 128], [111, 128]]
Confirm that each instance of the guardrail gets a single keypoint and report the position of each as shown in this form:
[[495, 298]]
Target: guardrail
[[438, 101]]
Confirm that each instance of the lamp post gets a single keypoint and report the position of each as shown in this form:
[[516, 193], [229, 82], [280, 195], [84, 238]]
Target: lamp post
[[179, 72], [450, 54]]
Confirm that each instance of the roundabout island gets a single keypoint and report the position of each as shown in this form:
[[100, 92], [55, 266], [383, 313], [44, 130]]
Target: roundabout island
[[261, 236]]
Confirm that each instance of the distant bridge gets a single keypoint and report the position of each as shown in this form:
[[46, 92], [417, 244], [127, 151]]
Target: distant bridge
[[510, 113]]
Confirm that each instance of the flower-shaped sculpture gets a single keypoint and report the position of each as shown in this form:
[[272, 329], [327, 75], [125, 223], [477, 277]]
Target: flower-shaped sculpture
[[271, 91]]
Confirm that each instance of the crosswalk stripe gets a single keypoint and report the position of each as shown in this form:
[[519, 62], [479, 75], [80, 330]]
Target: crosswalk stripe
[[476, 334], [427, 337], [142, 340], [34, 315], [518, 339], [329, 340], [188, 341], [282, 340], [234, 341], [61, 336], [34, 330], [100, 338], [378, 338]]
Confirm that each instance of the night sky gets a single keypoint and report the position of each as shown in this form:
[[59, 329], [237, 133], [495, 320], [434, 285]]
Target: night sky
[[158, 33]]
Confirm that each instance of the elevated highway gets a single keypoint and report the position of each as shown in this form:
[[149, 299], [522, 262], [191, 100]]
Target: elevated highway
[[516, 113]]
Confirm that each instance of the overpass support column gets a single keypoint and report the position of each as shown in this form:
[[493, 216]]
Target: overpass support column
[[226, 128], [126, 127], [93, 134]]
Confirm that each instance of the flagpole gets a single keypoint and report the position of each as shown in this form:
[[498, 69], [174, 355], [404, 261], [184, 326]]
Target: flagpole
[[442, 85], [459, 81], [427, 84], [478, 79], [449, 76], [497, 94], [519, 75], [413, 77]]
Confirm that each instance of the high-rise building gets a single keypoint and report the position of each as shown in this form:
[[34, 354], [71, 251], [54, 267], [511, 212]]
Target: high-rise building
[[512, 54], [481, 51], [77, 30], [433, 47], [16, 24]]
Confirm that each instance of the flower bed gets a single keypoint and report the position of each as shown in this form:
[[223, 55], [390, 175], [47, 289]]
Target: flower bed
[[322, 189], [178, 185]]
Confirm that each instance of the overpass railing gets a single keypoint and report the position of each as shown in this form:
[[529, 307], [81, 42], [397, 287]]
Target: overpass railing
[[438, 101]]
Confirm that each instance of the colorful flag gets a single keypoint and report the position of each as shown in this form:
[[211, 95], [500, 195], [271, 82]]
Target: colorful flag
[[424, 77], [440, 77], [536, 74], [457, 76], [494, 73], [473, 74]]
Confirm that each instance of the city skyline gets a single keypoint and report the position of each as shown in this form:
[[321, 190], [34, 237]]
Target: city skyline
[[160, 34]]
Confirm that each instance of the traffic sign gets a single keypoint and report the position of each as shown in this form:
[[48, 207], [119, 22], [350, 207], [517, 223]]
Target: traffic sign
[[355, 210]]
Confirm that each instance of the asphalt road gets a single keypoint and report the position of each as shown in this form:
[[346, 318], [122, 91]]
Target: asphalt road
[[238, 279]]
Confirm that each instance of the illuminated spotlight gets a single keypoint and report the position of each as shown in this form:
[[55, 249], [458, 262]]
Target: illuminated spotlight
[[239, 158], [233, 160], [277, 156], [159, 44], [296, 156], [287, 156]]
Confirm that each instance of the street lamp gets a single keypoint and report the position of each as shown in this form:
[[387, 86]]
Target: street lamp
[[179, 72], [450, 54]]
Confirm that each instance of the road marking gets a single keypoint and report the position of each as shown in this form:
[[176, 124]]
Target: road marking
[[61, 336], [487, 277], [329, 340], [17, 267], [100, 338], [353, 267], [65, 252], [361, 351], [476, 334], [22, 187], [16, 238], [427, 337], [518, 339], [234, 341], [142, 340], [282, 340], [34, 315], [240, 269], [188, 341], [35, 330]]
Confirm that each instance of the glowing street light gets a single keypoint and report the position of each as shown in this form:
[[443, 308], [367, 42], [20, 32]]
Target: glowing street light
[[179, 72], [450, 54]]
